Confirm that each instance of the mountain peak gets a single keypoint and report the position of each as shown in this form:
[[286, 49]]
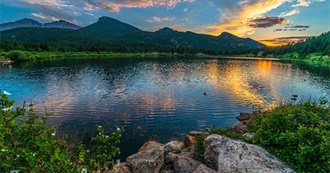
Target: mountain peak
[[26, 22], [107, 27], [227, 34], [61, 24], [166, 30]]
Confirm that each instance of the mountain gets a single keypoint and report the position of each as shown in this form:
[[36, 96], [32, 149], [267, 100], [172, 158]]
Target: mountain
[[61, 24], [113, 31], [41, 35], [165, 30], [30, 23], [20, 23], [108, 28]]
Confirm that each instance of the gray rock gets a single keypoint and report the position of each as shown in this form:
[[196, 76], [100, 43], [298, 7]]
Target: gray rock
[[185, 164], [174, 147], [169, 158], [149, 159], [204, 169], [228, 155], [150, 144], [167, 171]]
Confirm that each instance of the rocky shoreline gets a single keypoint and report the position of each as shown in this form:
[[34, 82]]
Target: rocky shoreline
[[220, 154]]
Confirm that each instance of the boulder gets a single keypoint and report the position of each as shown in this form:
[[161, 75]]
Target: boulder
[[120, 168], [174, 147], [244, 116], [149, 159], [204, 169], [169, 158], [227, 155], [240, 128], [185, 164], [150, 144], [196, 133], [189, 141], [167, 171]]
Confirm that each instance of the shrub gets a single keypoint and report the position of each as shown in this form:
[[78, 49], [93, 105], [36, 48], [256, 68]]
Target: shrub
[[18, 55], [298, 134], [28, 145]]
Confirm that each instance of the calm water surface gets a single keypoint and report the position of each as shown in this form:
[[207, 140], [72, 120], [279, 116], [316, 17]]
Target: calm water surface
[[161, 98]]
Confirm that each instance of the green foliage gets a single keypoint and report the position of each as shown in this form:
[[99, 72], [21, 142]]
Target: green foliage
[[199, 146], [298, 134], [28, 145], [17, 55]]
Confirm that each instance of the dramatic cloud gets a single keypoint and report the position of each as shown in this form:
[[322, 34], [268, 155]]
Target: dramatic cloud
[[292, 29], [235, 17], [265, 22], [298, 26], [159, 19], [305, 3], [283, 41], [116, 5], [290, 13]]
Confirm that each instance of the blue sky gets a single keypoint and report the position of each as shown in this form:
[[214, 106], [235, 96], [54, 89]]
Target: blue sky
[[257, 19]]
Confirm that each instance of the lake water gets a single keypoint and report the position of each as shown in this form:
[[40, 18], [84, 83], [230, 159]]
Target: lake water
[[159, 98]]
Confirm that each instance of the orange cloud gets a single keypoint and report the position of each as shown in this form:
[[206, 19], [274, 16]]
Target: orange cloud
[[236, 19]]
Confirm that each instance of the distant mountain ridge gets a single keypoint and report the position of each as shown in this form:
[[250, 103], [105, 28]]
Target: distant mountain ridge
[[107, 29], [25, 23]]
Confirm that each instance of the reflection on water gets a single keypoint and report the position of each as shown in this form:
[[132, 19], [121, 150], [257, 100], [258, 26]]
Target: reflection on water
[[157, 97]]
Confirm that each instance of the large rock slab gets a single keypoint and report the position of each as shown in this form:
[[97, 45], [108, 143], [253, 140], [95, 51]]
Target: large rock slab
[[204, 169], [149, 159], [185, 164], [174, 147], [228, 155]]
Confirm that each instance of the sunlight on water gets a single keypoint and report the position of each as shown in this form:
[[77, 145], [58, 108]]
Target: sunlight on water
[[163, 98]]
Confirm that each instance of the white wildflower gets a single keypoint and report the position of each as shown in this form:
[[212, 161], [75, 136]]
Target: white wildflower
[[106, 136], [84, 170], [118, 129], [7, 109], [99, 133], [53, 134], [88, 151], [99, 126], [3, 150], [6, 93], [14, 171]]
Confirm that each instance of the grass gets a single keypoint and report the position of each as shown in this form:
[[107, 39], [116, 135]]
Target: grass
[[297, 133], [18, 55]]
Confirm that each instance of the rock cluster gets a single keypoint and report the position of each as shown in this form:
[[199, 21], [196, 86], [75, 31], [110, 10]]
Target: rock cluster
[[222, 154], [244, 122]]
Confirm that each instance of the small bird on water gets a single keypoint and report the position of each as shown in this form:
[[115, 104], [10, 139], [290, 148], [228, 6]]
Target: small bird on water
[[204, 93]]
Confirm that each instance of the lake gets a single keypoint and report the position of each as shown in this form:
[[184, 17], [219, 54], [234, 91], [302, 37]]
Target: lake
[[159, 98]]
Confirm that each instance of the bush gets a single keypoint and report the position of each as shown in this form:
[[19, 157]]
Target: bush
[[298, 134], [18, 55], [28, 145]]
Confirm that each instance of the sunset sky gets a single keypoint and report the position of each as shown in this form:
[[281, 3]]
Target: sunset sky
[[257, 19]]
